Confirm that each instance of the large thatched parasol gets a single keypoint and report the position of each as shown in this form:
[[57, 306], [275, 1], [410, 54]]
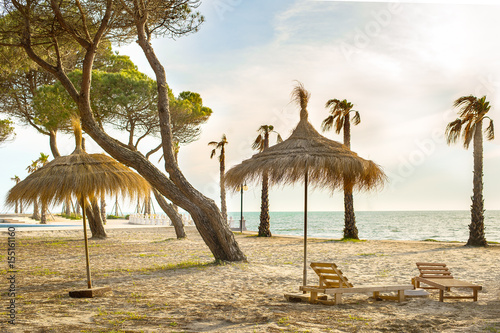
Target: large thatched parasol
[[309, 157], [84, 176]]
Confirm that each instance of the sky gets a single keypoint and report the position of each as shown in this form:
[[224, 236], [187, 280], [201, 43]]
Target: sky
[[401, 64]]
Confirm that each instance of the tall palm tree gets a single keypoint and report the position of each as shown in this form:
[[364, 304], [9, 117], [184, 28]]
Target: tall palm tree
[[32, 168], [340, 117], [17, 180], [42, 161], [260, 144], [469, 126], [222, 160]]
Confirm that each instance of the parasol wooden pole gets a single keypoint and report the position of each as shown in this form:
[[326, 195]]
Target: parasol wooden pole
[[304, 279], [89, 281]]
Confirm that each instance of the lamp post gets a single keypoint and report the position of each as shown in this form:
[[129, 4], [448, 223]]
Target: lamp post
[[242, 188]]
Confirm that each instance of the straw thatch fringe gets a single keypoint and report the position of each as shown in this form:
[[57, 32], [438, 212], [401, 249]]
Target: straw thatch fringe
[[81, 175]]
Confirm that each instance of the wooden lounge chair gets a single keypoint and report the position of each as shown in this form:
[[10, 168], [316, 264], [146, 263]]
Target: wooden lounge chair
[[438, 276], [333, 282]]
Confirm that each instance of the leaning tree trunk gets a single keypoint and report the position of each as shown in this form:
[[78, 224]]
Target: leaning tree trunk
[[95, 221], [476, 227], [172, 214], [264, 226], [207, 217], [350, 229]]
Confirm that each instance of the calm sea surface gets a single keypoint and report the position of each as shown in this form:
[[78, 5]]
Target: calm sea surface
[[400, 225]]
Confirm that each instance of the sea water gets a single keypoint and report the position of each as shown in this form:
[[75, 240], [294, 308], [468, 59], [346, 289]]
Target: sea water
[[396, 225]]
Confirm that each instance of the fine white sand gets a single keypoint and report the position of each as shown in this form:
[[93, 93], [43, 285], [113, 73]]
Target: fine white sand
[[161, 284]]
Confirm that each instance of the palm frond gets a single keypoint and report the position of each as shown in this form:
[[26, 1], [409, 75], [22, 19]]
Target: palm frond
[[356, 119], [213, 143], [490, 131], [301, 95], [279, 139], [327, 124], [468, 133], [453, 131], [332, 102], [258, 143], [212, 154], [339, 124]]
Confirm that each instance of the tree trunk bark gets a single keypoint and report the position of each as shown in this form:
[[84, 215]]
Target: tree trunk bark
[[264, 226], [95, 221], [172, 214], [36, 214], [43, 215], [350, 229], [53, 144], [67, 206], [147, 206], [476, 228], [103, 209], [223, 206]]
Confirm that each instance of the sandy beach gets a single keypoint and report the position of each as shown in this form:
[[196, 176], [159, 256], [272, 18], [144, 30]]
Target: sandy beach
[[161, 284]]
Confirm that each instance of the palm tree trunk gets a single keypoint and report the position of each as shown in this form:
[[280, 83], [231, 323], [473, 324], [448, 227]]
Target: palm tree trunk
[[350, 229], [264, 226], [476, 227], [172, 214], [223, 206], [16, 209]]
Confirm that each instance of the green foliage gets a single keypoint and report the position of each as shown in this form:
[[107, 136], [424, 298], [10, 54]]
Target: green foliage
[[71, 216], [114, 217], [6, 130]]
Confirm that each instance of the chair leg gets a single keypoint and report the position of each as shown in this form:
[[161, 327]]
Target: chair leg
[[474, 294], [401, 295], [338, 298], [313, 297], [441, 295]]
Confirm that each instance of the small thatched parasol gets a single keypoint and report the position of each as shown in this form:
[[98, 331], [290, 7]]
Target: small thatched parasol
[[310, 157], [84, 176]]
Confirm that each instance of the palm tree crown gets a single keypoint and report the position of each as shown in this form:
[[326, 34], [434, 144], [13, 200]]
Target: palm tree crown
[[260, 142], [339, 115], [473, 111], [218, 145]]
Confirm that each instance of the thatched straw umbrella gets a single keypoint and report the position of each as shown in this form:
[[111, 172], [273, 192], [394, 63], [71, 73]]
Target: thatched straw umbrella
[[307, 156], [84, 176]]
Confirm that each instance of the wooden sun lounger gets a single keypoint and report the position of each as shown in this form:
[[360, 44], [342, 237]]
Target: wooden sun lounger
[[333, 282], [438, 276]]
